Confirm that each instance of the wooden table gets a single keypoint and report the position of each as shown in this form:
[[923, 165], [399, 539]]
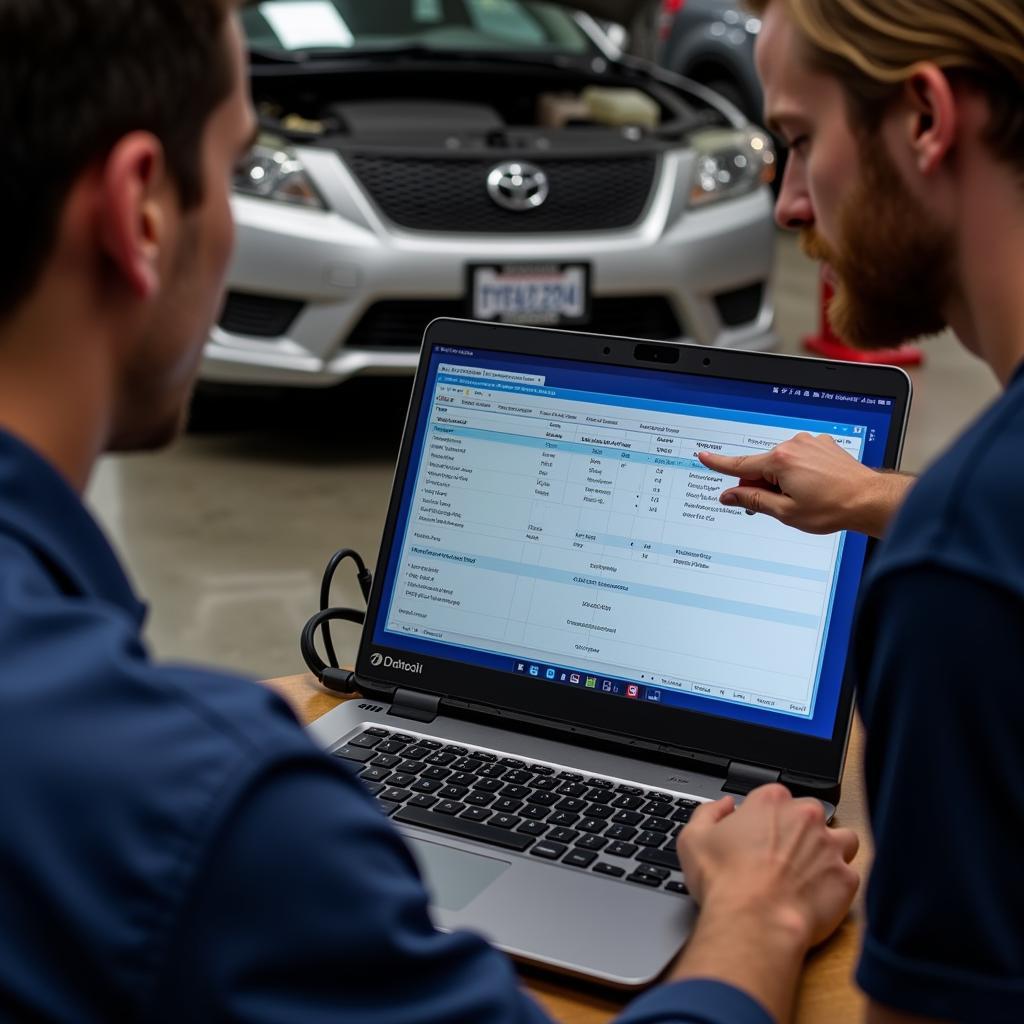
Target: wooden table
[[827, 994]]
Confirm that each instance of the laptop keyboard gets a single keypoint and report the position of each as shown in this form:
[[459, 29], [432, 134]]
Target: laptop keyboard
[[613, 829]]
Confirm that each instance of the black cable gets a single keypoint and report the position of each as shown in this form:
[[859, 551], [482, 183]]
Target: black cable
[[332, 677], [330, 673], [365, 579]]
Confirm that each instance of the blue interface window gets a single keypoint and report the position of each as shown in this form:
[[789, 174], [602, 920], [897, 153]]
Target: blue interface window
[[556, 523]]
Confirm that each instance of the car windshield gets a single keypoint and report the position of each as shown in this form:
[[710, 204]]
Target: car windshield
[[445, 26]]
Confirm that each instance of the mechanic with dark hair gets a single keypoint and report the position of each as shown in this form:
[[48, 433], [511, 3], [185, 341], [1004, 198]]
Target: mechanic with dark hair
[[173, 846]]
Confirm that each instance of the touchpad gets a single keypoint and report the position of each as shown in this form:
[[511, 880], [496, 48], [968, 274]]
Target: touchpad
[[454, 877]]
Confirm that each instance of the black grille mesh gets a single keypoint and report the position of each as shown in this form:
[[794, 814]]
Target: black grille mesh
[[258, 316], [399, 323], [427, 194]]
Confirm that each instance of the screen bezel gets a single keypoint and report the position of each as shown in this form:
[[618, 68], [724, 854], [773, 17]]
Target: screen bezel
[[551, 704]]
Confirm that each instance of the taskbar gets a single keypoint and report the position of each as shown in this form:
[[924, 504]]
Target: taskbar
[[672, 696]]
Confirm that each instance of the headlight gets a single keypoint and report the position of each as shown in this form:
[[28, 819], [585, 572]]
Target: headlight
[[730, 163], [272, 171]]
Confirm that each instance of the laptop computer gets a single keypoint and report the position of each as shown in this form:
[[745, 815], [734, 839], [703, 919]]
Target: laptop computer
[[570, 643]]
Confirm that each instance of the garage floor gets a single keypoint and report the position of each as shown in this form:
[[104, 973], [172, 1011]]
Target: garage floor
[[226, 534]]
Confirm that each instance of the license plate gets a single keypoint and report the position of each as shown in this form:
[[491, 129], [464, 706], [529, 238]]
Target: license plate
[[531, 293]]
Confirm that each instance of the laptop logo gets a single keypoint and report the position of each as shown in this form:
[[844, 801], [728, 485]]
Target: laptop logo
[[377, 660]]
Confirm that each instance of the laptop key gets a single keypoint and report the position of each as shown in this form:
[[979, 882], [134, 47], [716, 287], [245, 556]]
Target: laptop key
[[573, 789], [364, 740], [604, 868], [627, 803], [579, 858], [435, 773], [416, 752], [600, 796], [458, 778], [374, 774], [654, 839], [548, 850], [475, 814], [518, 776], [545, 785], [601, 783], [478, 799], [441, 757], [652, 871], [373, 788], [423, 800], [401, 779], [532, 828], [629, 790], [511, 762], [450, 807], [402, 737], [621, 850], [456, 750], [562, 835], [358, 754], [386, 760], [541, 769], [431, 744], [453, 792], [515, 792], [467, 828], [467, 764], [627, 818], [563, 818], [389, 747], [507, 806], [663, 858], [534, 812], [394, 793], [570, 776], [591, 842], [376, 730], [679, 887], [598, 811], [623, 832], [643, 880], [592, 825], [505, 820], [682, 815], [543, 799], [411, 767], [426, 786], [571, 804], [662, 825], [483, 755], [487, 785], [388, 807]]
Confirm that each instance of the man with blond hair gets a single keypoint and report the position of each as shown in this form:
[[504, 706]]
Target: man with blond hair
[[905, 120]]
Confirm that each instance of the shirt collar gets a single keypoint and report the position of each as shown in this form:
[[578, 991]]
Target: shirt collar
[[40, 510]]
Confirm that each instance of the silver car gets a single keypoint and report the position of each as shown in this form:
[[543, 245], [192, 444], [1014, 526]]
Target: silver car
[[496, 159]]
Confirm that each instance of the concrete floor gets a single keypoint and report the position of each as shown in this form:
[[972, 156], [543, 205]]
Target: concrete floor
[[227, 533]]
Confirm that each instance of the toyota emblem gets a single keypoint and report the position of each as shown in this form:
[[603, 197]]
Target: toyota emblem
[[517, 186]]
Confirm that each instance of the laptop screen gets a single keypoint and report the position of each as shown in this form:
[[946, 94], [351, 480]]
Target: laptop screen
[[555, 524]]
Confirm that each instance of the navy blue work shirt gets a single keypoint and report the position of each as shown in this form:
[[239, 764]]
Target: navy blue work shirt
[[174, 848], [939, 658]]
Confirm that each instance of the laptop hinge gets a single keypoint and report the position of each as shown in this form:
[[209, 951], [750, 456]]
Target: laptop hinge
[[420, 707], [742, 778]]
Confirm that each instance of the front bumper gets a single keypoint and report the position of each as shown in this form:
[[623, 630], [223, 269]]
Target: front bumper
[[327, 276]]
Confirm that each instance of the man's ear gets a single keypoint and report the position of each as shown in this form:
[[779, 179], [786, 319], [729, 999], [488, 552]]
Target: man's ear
[[133, 211], [930, 120]]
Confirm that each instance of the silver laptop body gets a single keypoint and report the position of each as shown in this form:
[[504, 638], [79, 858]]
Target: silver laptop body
[[659, 732]]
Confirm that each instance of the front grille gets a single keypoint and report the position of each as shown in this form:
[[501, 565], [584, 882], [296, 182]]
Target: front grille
[[258, 316], [426, 194], [400, 323], [740, 306]]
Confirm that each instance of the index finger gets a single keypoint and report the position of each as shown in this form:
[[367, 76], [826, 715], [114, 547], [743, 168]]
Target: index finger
[[747, 467]]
